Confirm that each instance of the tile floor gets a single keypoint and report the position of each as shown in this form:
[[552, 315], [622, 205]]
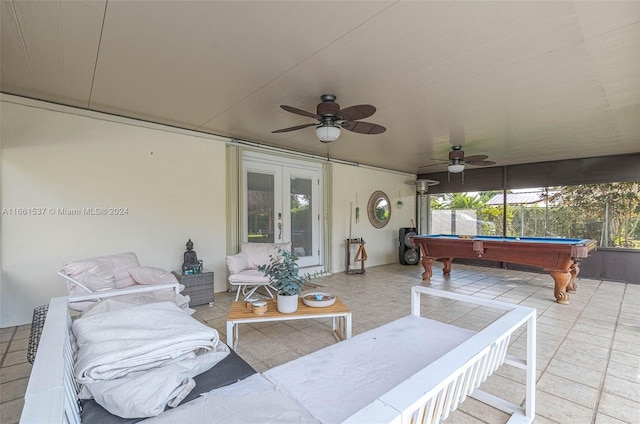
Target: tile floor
[[588, 356]]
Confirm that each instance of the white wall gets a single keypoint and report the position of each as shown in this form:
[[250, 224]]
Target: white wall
[[172, 186], [381, 243], [171, 182]]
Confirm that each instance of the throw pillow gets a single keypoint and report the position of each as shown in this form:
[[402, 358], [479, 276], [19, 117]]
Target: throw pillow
[[151, 275], [237, 263]]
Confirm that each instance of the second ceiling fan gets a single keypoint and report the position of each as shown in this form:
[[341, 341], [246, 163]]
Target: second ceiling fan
[[457, 160], [332, 119]]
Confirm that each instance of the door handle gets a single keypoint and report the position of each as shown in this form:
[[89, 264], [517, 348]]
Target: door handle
[[279, 230]]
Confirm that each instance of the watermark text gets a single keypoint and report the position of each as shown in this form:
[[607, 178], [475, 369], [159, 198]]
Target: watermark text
[[60, 211]]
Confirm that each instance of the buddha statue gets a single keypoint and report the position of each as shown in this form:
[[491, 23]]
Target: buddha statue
[[191, 264]]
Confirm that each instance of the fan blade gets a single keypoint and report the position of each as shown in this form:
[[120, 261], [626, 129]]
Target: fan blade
[[297, 127], [363, 127], [475, 158], [480, 162], [440, 160], [300, 112], [353, 113]]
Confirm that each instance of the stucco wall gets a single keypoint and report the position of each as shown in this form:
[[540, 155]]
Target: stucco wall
[[59, 168], [171, 187], [381, 243]]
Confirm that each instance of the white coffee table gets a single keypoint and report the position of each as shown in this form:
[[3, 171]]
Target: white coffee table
[[239, 314]]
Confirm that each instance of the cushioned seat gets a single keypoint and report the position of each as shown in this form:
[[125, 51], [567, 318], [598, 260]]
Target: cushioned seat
[[243, 267], [113, 275]]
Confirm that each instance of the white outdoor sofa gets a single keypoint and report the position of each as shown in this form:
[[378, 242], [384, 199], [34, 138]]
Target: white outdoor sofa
[[427, 395]]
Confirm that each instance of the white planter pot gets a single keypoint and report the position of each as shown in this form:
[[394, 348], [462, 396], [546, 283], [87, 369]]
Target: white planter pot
[[287, 304]]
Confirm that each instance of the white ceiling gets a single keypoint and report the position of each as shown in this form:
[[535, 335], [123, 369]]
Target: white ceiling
[[519, 81]]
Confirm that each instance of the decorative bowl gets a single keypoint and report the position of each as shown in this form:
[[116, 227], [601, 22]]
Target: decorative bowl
[[318, 299]]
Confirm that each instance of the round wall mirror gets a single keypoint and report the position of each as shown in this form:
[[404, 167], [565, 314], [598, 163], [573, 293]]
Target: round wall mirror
[[379, 209]]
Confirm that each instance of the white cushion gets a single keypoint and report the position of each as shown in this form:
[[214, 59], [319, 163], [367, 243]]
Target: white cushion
[[249, 276], [80, 306], [116, 265], [368, 360], [254, 253], [121, 260], [123, 279], [151, 275], [258, 253], [97, 282], [237, 263], [74, 268]]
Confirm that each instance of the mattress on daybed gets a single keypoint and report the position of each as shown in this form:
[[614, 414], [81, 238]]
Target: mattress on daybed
[[339, 380], [252, 400], [331, 384]]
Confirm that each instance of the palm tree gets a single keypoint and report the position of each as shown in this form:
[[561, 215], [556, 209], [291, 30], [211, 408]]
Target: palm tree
[[464, 201]]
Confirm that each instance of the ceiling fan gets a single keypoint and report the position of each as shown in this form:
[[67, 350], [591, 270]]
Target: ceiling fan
[[457, 160], [332, 119]]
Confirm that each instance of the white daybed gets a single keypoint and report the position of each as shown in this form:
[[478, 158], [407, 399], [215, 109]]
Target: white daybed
[[427, 395], [90, 280]]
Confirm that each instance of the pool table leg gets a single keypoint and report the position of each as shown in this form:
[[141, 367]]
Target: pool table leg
[[427, 264], [428, 269], [574, 270], [562, 279], [446, 266]]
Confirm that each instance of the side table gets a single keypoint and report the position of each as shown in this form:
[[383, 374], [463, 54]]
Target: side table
[[199, 287]]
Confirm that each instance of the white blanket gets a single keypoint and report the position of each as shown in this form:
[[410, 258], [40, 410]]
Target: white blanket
[[115, 343], [136, 299], [116, 349], [147, 393]]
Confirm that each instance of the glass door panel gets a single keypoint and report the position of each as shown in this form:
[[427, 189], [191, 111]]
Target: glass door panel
[[260, 208], [301, 208], [301, 220]]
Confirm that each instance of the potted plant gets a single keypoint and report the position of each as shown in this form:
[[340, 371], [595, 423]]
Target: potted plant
[[282, 271]]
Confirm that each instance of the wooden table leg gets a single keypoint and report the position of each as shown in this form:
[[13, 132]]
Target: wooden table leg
[[446, 266], [562, 279], [428, 270], [572, 287]]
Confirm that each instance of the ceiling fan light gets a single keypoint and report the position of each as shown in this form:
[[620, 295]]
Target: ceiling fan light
[[327, 133], [456, 168]]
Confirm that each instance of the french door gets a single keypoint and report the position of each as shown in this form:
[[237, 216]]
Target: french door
[[282, 204]]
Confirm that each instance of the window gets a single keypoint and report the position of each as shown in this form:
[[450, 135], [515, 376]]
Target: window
[[608, 213], [465, 214]]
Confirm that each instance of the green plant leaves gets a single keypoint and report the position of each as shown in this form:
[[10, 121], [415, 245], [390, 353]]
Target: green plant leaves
[[283, 273]]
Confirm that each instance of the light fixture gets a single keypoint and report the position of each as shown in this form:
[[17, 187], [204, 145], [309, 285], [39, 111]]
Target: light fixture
[[327, 132], [456, 166]]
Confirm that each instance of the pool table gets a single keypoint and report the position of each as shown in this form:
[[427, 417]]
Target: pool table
[[557, 256]]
